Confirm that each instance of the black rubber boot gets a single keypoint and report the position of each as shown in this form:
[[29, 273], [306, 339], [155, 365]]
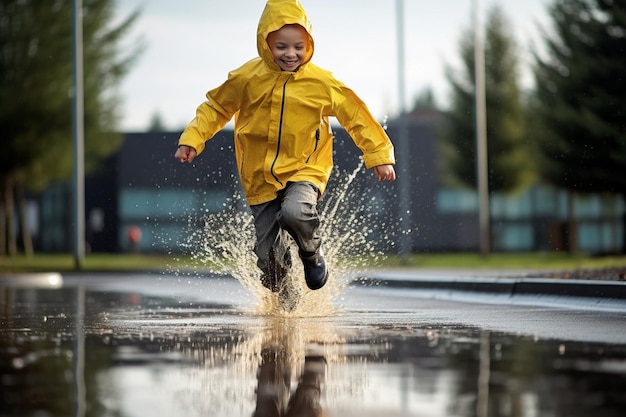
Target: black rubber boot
[[315, 269]]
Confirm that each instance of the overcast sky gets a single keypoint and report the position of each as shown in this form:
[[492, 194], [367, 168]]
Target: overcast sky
[[190, 45]]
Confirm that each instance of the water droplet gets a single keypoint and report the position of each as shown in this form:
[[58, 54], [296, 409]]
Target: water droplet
[[18, 363]]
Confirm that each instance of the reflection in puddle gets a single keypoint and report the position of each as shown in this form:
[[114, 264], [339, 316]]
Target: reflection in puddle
[[147, 356], [279, 370]]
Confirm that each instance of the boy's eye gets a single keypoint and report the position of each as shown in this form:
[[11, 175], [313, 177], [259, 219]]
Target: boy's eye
[[282, 47]]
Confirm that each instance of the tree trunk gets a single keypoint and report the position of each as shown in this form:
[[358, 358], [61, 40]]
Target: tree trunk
[[10, 217], [27, 239], [3, 223], [624, 225], [572, 226]]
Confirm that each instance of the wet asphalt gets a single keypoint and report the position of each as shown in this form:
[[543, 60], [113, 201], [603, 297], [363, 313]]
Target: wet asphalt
[[384, 343]]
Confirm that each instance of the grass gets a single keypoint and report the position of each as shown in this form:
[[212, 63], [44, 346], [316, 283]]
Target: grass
[[92, 263], [508, 261], [143, 262]]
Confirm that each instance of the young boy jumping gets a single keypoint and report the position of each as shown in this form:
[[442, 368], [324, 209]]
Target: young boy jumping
[[282, 102]]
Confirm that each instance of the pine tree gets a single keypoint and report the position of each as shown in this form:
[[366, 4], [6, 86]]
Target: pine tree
[[505, 114], [579, 97], [580, 90]]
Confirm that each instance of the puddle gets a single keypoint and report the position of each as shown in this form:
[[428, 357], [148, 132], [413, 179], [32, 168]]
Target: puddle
[[92, 350]]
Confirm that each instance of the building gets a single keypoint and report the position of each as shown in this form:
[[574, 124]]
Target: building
[[143, 188]]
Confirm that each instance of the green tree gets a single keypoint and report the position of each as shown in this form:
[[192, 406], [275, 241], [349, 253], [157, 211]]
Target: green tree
[[156, 123], [507, 166], [579, 97], [425, 98], [35, 92]]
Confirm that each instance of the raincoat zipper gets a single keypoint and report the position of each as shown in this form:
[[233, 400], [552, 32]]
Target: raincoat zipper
[[280, 130], [317, 141], [243, 154]]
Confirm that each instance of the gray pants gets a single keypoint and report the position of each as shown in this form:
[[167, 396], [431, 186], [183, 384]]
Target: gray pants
[[293, 212]]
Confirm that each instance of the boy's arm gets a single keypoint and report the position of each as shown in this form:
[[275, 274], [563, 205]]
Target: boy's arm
[[212, 115], [208, 121], [363, 128]]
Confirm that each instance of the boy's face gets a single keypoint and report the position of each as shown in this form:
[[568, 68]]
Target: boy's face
[[288, 46]]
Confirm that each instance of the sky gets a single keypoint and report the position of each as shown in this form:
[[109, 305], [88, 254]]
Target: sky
[[191, 45]]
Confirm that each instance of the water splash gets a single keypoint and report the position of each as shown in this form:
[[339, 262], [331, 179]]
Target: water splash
[[225, 242]]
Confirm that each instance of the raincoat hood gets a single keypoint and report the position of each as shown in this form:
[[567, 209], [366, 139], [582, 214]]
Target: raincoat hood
[[278, 13]]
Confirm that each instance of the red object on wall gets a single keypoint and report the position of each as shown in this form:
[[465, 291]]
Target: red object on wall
[[134, 235]]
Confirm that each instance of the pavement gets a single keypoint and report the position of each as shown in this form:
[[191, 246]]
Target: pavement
[[496, 283]]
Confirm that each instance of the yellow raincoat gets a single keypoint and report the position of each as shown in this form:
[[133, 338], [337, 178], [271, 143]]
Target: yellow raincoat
[[282, 131]]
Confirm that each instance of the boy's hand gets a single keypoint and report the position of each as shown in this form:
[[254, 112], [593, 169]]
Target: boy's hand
[[185, 153], [385, 173]]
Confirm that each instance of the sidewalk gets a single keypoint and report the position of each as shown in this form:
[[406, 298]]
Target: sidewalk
[[503, 283]]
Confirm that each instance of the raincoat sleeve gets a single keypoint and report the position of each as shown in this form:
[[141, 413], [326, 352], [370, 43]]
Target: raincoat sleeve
[[211, 116], [363, 128]]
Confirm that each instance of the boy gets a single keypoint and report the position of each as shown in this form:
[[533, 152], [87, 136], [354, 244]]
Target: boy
[[283, 140]]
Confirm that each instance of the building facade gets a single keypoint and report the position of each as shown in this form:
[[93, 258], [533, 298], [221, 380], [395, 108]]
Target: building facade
[[144, 189]]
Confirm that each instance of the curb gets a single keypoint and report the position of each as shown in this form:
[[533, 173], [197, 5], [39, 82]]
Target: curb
[[511, 286]]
